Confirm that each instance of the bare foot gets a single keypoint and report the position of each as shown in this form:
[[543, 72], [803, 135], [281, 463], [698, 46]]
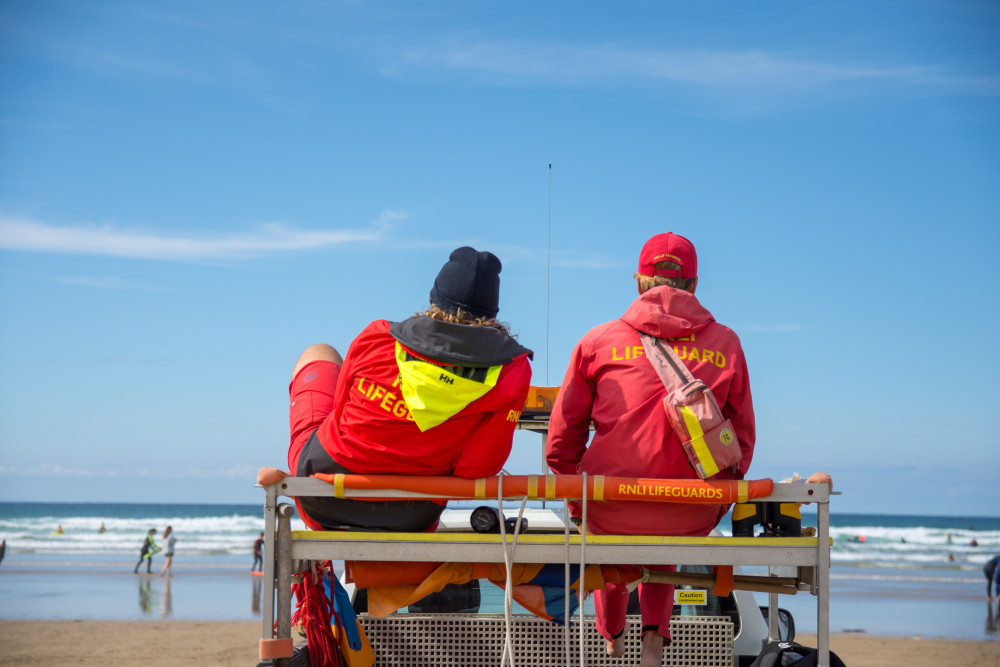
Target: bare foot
[[616, 647], [652, 650]]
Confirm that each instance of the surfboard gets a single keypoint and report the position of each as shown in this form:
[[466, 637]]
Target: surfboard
[[257, 574]]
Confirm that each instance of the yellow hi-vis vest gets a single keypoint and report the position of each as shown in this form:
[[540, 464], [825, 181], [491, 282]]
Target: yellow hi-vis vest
[[434, 393]]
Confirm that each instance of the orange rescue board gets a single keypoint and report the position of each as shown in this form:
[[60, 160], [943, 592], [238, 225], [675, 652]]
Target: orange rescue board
[[550, 487]]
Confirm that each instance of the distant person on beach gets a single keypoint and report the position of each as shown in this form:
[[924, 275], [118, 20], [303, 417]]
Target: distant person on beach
[[612, 383], [438, 393], [3, 548], [168, 536], [101, 529], [59, 530], [258, 554], [992, 572], [148, 549]]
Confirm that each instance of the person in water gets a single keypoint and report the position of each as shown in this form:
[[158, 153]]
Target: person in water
[[146, 552], [438, 393], [612, 384]]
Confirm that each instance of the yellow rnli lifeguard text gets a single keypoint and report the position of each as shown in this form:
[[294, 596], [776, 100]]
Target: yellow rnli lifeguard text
[[669, 491], [690, 597], [682, 351], [385, 398]]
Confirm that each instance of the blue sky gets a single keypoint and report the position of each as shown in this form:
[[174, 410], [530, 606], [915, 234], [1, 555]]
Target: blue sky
[[192, 192]]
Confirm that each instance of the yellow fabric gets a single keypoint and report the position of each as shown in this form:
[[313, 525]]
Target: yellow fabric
[[433, 394], [698, 441], [386, 599], [790, 509], [363, 657], [744, 510]]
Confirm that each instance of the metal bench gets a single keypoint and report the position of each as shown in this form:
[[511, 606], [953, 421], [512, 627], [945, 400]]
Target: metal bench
[[808, 558]]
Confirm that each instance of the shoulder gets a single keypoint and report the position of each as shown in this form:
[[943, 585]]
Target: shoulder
[[610, 331], [721, 332], [376, 328], [606, 329]]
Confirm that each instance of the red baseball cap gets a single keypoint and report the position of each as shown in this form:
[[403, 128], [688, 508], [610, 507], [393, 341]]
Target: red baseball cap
[[668, 247]]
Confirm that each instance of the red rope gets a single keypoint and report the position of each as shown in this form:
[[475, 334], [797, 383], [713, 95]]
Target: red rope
[[314, 610]]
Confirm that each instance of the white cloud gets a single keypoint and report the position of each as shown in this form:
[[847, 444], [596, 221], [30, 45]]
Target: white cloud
[[568, 64], [25, 235]]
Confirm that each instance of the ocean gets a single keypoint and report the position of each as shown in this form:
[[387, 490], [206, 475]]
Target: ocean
[[890, 574]]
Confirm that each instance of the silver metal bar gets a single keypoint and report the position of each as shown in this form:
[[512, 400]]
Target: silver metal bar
[[284, 629], [772, 617], [270, 558], [552, 552], [823, 584]]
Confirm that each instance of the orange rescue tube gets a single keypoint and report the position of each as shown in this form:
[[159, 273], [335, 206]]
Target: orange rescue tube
[[551, 487]]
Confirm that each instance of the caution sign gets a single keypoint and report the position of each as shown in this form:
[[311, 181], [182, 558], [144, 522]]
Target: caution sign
[[690, 597]]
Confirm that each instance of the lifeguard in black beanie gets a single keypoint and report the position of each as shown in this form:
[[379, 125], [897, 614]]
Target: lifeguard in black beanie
[[438, 393]]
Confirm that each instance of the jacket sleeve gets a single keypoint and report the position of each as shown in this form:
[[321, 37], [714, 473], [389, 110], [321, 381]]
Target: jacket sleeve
[[569, 425], [487, 448], [738, 409]]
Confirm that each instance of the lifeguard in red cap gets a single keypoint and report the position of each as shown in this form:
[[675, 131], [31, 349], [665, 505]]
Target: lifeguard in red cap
[[611, 382]]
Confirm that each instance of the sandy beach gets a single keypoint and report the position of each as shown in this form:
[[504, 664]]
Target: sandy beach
[[163, 643]]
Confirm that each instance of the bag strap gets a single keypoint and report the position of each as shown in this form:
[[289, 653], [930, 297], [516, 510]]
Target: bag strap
[[672, 371]]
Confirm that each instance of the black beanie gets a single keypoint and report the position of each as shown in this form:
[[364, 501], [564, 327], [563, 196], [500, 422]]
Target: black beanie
[[470, 281]]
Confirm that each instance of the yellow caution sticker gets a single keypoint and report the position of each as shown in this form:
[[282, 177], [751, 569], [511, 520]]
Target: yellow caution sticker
[[690, 597]]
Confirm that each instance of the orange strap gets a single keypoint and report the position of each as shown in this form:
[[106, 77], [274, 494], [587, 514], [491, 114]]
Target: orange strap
[[276, 648], [723, 580], [551, 487]]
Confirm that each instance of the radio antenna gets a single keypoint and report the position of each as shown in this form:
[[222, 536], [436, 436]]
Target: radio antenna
[[548, 264]]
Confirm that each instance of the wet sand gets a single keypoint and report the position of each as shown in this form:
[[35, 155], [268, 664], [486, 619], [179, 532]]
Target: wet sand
[[224, 643]]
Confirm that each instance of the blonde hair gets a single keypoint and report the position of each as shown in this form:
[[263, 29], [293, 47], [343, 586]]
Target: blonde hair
[[463, 317], [647, 283]]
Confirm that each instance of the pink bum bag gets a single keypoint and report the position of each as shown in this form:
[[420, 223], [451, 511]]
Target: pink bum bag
[[707, 436]]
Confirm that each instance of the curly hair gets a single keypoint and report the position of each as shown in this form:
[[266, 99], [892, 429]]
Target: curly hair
[[462, 317]]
